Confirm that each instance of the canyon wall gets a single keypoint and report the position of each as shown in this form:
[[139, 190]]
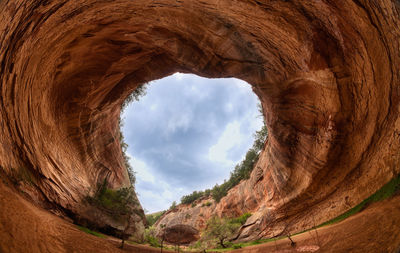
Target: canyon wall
[[326, 72]]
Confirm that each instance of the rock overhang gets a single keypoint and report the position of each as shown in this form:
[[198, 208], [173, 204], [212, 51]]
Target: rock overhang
[[325, 73]]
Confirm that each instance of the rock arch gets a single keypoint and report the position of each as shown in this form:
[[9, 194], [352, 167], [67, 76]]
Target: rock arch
[[325, 71]]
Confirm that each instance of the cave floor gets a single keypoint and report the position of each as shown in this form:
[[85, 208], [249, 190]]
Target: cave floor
[[25, 227]]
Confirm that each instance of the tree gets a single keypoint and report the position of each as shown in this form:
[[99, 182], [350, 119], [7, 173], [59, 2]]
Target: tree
[[260, 137], [220, 230], [173, 206]]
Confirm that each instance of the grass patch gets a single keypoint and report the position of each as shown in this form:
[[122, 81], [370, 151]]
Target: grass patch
[[88, 231]]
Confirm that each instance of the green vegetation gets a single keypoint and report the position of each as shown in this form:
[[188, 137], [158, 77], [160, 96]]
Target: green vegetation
[[86, 230], [173, 206], [140, 91], [114, 202], [151, 238], [153, 218], [241, 171], [220, 230], [188, 199], [118, 204], [208, 203], [241, 219]]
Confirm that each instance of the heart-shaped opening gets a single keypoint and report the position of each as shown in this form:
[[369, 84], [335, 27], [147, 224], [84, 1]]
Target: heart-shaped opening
[[188, 133]]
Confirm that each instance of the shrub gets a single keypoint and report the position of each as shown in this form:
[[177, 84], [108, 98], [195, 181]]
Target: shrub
[[241, 219], [208, 203], [153, 242], [150, 237], [115, 202]]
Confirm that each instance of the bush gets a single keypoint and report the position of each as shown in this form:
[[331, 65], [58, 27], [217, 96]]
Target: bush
[[115, 202], [153, 242], [241, 219], [150, 237], [208, 203]]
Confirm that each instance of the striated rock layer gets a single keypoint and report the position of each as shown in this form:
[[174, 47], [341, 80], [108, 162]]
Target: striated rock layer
[[327, 73]]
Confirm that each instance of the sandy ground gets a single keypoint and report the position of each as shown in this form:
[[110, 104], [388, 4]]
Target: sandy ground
[[26, 228]]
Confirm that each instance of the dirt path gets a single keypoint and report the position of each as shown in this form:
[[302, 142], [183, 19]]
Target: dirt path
[[26, 228]]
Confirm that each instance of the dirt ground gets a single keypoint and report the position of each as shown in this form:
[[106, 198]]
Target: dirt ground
[[26, 228]]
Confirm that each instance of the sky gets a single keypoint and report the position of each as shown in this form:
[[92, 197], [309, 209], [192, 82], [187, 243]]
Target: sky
[[188, 133]]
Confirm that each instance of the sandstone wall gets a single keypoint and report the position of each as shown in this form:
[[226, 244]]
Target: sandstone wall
[[327, 73]]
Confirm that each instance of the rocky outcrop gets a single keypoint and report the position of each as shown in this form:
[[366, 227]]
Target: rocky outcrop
[[195, 215], [180, 234], [327, 73]]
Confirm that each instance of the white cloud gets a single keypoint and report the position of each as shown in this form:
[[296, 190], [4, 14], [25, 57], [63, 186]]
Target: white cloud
[[179, 76], [181, 121], [161, 199], [141, 169], [230, 138]]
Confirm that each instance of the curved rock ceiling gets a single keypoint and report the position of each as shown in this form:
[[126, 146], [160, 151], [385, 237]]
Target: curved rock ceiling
[[327, 73]]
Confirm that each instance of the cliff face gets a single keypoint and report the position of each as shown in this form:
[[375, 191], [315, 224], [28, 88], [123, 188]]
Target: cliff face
[[327, 73]]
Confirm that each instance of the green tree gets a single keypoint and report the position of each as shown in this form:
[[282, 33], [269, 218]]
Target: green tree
[[173, 206], [188, 199], [260, 137], [220, 230]]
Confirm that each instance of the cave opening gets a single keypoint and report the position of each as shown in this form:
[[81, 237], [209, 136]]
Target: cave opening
[[187, 133]]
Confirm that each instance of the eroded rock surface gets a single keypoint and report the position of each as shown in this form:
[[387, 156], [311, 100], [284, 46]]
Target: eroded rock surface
[[327, 73]]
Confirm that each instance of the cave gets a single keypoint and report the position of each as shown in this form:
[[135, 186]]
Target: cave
[[327, 73]]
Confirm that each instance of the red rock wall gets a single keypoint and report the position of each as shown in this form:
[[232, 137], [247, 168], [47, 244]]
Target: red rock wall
[[326, 72]]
